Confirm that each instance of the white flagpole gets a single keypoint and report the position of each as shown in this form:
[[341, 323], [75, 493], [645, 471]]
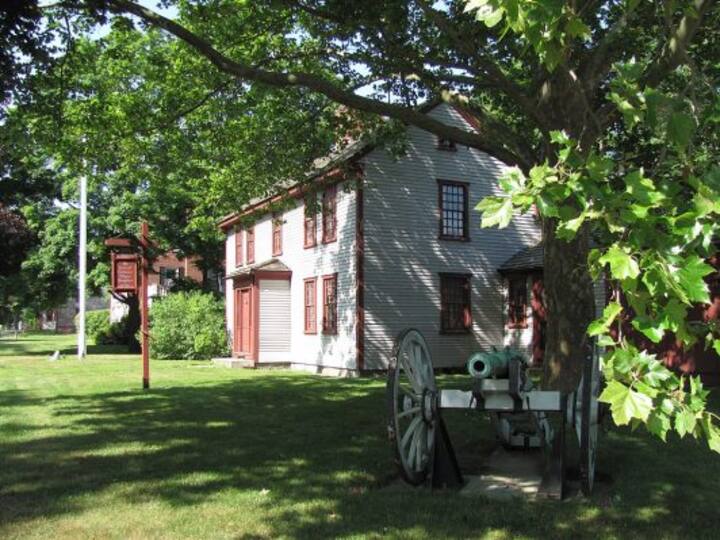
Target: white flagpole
[[81, 347]]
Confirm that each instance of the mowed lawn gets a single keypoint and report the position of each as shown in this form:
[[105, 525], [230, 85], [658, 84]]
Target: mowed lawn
[[218, 453]]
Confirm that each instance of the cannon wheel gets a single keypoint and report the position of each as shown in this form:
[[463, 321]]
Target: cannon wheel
[[412, 400], [589, 420]]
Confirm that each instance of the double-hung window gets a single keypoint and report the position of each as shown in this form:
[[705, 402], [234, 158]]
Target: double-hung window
[[455, 307], [310, 232], [330, 304], [277, 235], [329, 215], [311, 306], [239, 255], [250, 245], [517, 302], [453, 197]]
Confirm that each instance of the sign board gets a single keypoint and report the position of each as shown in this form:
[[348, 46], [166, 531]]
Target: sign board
[[124, 273]]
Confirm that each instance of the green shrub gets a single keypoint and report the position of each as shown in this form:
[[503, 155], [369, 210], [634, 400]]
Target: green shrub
[[96, 323], [101, 331], [187, 325]]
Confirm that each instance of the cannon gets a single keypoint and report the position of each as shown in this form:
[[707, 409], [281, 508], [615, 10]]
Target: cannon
[[502, 388]]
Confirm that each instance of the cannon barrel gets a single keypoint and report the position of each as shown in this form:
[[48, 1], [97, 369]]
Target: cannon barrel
[[493, 364]]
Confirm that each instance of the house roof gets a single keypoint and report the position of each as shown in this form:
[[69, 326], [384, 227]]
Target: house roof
[[271, 265], [324, 168], [328, 166], [527, 259]]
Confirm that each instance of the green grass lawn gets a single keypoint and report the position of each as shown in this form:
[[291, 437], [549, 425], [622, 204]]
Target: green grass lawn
[[218, 453]]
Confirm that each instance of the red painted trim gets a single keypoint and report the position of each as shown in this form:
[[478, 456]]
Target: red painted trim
[[298, 190], [327, 279], [329, 199], [255, 330], [360, 276], [312, 330], [466, 210]]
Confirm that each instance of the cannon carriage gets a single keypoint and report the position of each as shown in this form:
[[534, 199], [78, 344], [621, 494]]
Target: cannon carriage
[[522, 415]]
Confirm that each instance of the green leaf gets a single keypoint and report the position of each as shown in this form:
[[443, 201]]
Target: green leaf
[[575, 27], [659, 424], [685, 422], [680, 129], [691, 278], [653, 330], [622, 265], [602, 325], [716, 346], [495, 211], [626, 403], [656, 373]]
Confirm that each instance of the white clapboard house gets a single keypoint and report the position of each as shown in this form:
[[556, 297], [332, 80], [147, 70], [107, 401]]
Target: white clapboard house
[[325, 274]]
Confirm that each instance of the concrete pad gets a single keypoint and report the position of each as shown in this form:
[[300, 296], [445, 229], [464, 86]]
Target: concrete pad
[[507, 474], [233, 362]]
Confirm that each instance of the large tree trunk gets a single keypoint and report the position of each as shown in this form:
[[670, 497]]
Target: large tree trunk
[[570, 307]]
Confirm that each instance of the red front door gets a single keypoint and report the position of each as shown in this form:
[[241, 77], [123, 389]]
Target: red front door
[[243, 320]]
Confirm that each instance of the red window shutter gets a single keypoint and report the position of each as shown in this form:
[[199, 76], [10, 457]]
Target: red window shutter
[[330, 304], [238, 247], [310, 306], [329, 214], [250, 245], [277, 236]]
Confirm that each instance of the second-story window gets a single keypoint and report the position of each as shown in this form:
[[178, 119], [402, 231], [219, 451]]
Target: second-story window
[[239, 255], [453, 210], [277, 235], [250, 245], [310, 231], [329, 215]]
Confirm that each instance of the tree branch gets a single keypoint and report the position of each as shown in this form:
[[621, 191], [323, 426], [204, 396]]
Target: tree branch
[[241, 70], [503, 83], [673, 54]]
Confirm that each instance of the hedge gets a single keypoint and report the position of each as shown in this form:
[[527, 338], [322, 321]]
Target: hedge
[[187, 325]]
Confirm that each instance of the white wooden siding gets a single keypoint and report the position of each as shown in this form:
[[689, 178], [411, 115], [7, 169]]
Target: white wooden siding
[[403, 255], [274, 320], [319, 352]]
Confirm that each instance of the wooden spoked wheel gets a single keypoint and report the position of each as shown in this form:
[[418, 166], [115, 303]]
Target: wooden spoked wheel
[[588, 418], [412, 400]]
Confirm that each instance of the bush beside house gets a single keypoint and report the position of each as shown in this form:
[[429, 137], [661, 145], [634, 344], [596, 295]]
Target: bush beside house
[[101, 331], [187, 325]]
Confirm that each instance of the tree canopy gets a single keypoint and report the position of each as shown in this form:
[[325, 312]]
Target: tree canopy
[[608, 112]]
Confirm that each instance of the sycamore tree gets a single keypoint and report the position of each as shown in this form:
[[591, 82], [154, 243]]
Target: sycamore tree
[[606, 111]]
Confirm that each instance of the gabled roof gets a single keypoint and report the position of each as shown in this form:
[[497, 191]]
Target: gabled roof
[[527, 259], [327, 167]]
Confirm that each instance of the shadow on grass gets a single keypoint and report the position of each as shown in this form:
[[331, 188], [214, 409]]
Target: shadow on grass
[[306, 440]]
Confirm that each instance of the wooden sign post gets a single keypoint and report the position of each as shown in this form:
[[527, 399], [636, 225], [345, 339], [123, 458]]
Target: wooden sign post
[[126, 269]]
